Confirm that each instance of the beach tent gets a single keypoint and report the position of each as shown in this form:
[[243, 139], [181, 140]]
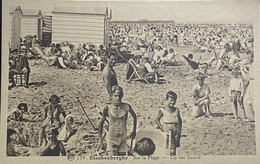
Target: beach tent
[[31, 23], [15, 16], [80, 25]]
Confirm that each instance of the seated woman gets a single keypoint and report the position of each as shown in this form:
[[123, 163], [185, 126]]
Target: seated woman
[[169, 57], [52, 117], [145, 70]]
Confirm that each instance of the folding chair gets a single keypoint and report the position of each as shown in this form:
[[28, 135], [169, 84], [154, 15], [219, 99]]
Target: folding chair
[[221, 63], [191, 64], [225, 63], [171, 62], [20, 77], [131, 72]]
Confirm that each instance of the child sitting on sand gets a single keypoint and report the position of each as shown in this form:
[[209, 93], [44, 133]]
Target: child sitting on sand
[[53, 147], [52, 116], [17, 115], [172, 122], [67, 131], [117, 114], [236, 91]]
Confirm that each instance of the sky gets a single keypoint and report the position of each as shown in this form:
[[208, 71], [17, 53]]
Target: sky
[[218, 11]]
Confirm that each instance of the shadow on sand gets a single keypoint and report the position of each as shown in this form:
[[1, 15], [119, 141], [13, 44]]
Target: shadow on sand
[[221, 114], [37, 84]]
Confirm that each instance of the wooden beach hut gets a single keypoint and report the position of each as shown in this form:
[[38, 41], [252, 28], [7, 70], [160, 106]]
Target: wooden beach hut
[[31, 23], [15, 16], [80, 25], [46, 29]]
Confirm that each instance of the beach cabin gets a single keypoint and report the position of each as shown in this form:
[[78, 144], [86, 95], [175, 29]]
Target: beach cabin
[[15, 16], [46, 30], [80, 25], [31, 23]]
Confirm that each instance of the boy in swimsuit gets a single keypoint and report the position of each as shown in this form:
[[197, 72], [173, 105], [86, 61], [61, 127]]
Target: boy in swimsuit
[[172, 122], [117, 114]]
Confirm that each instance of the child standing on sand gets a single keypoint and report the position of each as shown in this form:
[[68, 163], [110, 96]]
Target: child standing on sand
[[172, 122], [117, 114], [236, 92]]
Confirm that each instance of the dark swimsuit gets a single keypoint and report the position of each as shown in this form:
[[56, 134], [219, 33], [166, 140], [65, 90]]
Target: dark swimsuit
[[53, 152]]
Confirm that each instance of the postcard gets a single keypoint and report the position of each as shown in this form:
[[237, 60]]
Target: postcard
[[130, 81]]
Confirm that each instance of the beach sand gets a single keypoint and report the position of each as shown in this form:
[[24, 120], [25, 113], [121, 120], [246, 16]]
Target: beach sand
[[221, 135]]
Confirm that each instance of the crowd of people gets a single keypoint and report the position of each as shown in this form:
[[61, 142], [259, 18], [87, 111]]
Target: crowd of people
[[152, 46]]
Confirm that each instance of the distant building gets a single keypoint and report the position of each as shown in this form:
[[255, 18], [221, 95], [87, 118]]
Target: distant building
[[31, 23]]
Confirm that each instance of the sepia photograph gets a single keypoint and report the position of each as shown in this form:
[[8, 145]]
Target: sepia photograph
[[130, 81]]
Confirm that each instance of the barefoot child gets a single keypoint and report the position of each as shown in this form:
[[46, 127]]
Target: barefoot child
[[236, 91], [171, 120], [117, 114]]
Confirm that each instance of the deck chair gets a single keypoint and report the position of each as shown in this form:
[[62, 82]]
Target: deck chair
[[191, 64], [200, 68], [19, 77], [132, 73], [161, 140], [221, 64]]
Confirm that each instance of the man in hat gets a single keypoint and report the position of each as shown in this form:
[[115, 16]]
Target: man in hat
[[20, 65], [201, 99]]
